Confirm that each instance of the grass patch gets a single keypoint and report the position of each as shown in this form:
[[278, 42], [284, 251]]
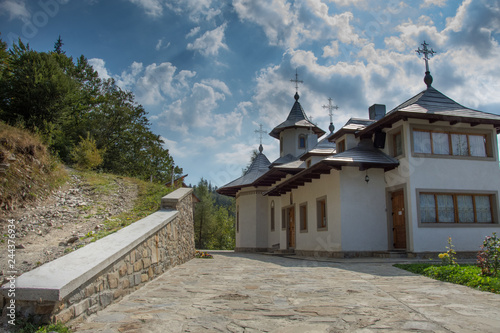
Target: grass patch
[[32, 173], [466, 275], [103, 183], [26, 326], [148, 201]]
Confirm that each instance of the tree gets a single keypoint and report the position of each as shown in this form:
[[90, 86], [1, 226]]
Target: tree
[[58, 46], [64, 101], [213, 222]]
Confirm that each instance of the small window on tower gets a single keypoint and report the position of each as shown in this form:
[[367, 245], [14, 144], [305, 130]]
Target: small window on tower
[[302, 141]]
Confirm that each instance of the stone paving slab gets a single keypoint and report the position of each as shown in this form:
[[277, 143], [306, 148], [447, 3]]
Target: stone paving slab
[[240, 292]]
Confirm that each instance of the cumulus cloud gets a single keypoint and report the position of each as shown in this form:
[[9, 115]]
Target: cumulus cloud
[[196, 10], [210, 42], [152, 8], [193, 32], [475, 26], [16, 9], [429, 3], [290, 25], [99, 66]]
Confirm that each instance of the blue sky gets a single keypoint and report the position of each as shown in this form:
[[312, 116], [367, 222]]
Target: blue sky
[[209, 72]]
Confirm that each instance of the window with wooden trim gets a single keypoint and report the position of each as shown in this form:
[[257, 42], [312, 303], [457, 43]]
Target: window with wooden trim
[[450, 143], [302, 141], [303, 216], [455, 208], [397, 144], [340, 146], [321, 213], [283, 219], [272, 215], [281, 145]]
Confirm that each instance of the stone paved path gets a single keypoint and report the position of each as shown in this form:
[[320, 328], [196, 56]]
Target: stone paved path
[[237, 292]]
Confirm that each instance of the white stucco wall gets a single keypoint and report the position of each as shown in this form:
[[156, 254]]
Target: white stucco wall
[[291, 141], [253, 216], [363, 214], [318, 240], [443, 174]]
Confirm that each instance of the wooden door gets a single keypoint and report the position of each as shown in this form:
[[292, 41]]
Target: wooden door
[[398, 220], [291, 228]]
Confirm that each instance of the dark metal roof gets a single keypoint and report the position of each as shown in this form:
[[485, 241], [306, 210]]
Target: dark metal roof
[[284, 160], [322, 148], [364, 156], [353, 125], [433, 105], [259, 166], [296, 118]]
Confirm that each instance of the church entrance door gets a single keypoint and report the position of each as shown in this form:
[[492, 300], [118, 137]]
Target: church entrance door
[[291, 228], [398, 220]]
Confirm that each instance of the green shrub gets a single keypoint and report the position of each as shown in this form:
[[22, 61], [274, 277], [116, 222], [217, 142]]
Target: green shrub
[[86, 155], [488, 258]]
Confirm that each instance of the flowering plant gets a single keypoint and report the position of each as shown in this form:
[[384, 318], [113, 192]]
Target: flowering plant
[[203, 255], [488, 257], [448, 257]]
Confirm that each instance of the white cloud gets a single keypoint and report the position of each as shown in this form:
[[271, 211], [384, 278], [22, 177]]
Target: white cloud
[[429, 3], [153, 8], [16, 9], [344, 3], [210, 42], [290, 25], [196, 10], [175, 149], [159, 44], [99, 66], [194, 31]]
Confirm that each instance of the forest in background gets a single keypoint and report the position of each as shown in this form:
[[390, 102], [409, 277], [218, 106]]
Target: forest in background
[[91, 123], [82, 118]]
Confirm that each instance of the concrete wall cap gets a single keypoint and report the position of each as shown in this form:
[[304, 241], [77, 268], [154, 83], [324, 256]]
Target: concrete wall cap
[[57, 279]]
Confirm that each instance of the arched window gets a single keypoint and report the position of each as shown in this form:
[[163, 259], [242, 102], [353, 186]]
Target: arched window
[[302, 141]]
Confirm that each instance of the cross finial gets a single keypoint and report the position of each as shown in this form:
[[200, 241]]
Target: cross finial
[[297, 81], [330, 108], [260, 131], [426, 52]]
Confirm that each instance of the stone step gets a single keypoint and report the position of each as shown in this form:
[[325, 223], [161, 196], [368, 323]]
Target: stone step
[[391, 254]]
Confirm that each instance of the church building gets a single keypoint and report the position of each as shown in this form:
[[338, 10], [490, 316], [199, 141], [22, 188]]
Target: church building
[[400, 182]]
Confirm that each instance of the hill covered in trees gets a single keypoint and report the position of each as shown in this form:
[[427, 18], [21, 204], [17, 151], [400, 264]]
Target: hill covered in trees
[[84, 120]]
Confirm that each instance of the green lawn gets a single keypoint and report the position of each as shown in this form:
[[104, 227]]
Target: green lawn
[[467, 275]]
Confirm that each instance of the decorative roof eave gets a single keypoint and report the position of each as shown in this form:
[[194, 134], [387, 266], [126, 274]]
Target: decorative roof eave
[[323, 167], [305, 176], [397, 115], [274, 175], [275, 133]]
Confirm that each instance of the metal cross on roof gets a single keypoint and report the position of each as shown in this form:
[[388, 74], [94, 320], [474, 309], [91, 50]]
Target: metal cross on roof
[[330, 108], [260, 131], [297, 81], [426, 52]]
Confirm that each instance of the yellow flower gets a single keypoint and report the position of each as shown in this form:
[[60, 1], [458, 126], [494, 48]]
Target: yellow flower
[[443, 255]]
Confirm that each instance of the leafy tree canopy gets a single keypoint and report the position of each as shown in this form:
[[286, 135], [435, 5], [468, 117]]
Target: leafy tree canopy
[[65, 100]]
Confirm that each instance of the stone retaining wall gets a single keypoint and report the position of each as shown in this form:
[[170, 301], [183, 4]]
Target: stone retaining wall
[[89, 279]]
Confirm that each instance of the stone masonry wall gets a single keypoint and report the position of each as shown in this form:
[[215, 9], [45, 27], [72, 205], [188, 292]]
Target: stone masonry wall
[[170, 246]]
